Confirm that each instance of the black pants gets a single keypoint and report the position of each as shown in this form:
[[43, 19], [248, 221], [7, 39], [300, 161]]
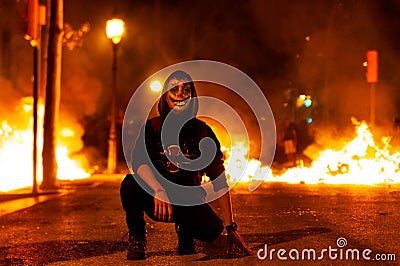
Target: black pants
[[202, 222]]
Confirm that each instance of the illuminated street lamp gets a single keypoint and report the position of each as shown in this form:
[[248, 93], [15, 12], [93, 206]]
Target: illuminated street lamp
[[114, 30], [155, 86]]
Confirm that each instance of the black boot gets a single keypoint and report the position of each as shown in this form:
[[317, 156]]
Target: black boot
[[137, 247], [186, 244]]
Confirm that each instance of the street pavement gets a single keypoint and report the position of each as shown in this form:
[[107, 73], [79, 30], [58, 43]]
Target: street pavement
[[83, 223]]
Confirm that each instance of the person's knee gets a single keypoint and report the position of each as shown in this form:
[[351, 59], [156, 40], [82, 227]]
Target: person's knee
[[216, 232], [211, 232], [128, 188], [128, 183]]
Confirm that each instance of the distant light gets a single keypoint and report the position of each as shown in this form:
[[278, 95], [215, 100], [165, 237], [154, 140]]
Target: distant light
[[115, 29], [302, 97], [365, 64], [309, 120], [307, 38], [155, 86], [307, 102]]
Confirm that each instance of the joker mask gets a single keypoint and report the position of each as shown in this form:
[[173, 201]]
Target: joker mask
[[179, 94]]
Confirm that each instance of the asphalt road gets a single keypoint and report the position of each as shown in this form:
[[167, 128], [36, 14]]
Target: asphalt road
[[83, 224]]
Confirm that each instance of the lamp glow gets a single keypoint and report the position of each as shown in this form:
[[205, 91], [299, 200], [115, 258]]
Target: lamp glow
[[115, 29], [155, 86]]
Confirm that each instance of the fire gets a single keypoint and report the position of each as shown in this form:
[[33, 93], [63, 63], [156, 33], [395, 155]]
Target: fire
[[68, 169], [16, 150], [360, 161], [239, 168]]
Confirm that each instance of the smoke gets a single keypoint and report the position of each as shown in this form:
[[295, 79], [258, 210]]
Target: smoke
[[326, 42], [80, 95], [11, 107], [317, 46], [81, 87], [246, 117]]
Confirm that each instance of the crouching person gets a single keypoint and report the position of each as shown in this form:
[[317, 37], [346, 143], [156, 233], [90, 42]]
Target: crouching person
[[168, 167]]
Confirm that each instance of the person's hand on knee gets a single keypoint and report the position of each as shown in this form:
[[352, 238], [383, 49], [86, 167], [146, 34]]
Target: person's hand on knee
[[162, 207]]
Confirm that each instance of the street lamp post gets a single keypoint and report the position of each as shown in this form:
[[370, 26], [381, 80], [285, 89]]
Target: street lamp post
[[114, 31]]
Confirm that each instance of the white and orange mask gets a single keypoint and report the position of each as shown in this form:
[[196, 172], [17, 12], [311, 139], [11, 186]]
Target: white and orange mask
[[179, 94]]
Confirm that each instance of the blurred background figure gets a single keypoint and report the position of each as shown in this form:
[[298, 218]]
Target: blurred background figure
[[289, 139]]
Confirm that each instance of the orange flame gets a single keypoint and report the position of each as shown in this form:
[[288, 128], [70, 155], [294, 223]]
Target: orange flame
[[360, 161], [239, 168], [16, 150]]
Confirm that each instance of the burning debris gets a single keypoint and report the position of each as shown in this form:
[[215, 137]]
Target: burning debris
[[360, 161], [16, 149]]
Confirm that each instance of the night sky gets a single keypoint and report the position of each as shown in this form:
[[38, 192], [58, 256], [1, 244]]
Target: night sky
[[316, 47], [286, 47]]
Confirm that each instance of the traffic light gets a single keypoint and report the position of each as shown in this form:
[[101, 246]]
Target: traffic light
[[372, 66], [33, 16], [307, 101], [36, 18], [304, 99]]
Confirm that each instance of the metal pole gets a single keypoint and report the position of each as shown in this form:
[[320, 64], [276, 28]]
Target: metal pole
[[372, 102], [35, 115], [112, 139]]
